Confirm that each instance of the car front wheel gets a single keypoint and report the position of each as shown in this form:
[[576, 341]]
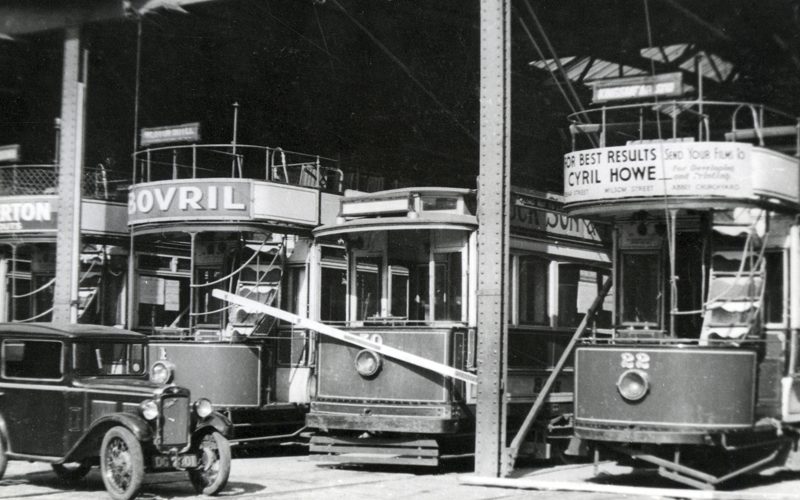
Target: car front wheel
[[71, 473], [214, 464], [121, 463], [3, 457]]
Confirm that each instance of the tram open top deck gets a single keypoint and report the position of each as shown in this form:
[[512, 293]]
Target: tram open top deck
[[696, 155]]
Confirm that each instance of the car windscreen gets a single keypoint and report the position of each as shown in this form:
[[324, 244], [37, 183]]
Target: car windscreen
[[102, 358]]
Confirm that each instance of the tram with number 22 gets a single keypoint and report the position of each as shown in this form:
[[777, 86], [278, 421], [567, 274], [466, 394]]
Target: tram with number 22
[[699, 378]]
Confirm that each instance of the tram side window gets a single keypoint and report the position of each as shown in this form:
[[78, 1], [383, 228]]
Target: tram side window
[[578, 286], [641, 289], [773, 294], [368, 287], [163, 302], [533, 280], [420, 304]]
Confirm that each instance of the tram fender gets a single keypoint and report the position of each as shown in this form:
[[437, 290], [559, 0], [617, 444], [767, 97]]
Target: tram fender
[[216, 421]]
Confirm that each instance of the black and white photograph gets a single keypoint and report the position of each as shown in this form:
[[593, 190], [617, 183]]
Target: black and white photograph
[[429, 249]]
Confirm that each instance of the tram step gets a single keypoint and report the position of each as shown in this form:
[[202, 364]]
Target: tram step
[[376, 450]]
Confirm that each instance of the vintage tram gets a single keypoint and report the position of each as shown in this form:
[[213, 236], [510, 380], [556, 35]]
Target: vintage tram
[[399, 268], [28, 230], [699, 377], [234, 217]]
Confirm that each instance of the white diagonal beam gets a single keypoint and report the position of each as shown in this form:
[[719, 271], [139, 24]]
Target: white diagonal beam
[[389, 352]]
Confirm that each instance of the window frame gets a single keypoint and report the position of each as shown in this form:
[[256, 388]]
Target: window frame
[[61, 364]]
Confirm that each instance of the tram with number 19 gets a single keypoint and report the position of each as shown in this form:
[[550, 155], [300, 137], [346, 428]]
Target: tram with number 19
[[699, 378], [234, 217], [399, 268]]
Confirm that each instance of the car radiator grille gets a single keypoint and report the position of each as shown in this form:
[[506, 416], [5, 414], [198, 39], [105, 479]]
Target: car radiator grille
[[175, 421]]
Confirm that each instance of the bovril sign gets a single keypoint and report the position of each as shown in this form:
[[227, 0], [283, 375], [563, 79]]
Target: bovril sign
[[189, 200]]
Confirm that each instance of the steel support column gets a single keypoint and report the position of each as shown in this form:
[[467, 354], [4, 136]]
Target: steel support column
[[70, 168], [493, 235]]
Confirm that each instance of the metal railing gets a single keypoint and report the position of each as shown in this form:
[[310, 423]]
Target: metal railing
[[694, 120], [25, 180], [240, 161]]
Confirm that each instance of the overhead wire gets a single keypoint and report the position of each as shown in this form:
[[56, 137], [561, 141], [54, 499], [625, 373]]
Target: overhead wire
[[406, 70], [575, 106]]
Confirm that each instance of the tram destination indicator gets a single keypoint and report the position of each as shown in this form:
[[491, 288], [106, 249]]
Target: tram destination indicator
[[658, 169], [186, 132]]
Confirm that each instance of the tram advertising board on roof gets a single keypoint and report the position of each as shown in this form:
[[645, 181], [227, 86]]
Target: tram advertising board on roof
[[186, 132]]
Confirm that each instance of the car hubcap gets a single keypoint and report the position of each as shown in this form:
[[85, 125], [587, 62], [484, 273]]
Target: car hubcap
[[118, 464], [210, 459]]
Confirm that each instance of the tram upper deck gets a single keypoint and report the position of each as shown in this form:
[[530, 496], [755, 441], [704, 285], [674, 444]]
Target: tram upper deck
[[29, 218], [697, 155], [198, 184]]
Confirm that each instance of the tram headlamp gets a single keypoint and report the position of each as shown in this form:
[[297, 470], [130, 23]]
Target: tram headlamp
[[633, 385], [203, 407], [311, 387], [161, 372], [149, 409], [368, 363]]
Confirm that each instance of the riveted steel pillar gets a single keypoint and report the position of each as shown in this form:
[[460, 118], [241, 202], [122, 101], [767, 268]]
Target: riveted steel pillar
[[70, 168], [493, 235]]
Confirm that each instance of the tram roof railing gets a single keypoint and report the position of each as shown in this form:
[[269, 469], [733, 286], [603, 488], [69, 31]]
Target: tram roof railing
[[237, 161], [98, 183], [686, 120]]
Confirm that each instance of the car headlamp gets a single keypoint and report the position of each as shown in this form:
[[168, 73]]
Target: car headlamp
[[368, 363], [161, 372], [203, 407], [149, 409], [633, 385]]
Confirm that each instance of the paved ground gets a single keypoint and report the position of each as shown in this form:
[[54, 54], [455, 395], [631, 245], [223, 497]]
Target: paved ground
[[298, 477]]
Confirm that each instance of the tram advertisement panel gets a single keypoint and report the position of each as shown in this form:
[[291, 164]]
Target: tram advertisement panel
[[25, 214], [657, 169]]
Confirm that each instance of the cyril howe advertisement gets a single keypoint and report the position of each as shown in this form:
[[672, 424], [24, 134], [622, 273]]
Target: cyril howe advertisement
[[658, 169]]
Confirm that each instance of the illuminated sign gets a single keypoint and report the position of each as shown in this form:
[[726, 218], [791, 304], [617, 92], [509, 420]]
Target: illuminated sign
[[191, 199], [187, 132], [638, 87], [25, 214], [9, 153], [664, 169]]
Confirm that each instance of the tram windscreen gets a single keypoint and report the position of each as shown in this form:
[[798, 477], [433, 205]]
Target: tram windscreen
[[368, 287], [641, 290]]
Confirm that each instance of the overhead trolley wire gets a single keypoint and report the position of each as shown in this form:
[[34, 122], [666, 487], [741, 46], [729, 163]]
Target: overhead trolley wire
[[406, 70]]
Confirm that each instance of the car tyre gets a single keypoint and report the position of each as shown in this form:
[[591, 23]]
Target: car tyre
[[3, 457], [121, 463], [71, 473], [214, 464]]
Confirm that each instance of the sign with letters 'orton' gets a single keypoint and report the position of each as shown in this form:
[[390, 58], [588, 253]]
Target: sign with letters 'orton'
[[683, 169]]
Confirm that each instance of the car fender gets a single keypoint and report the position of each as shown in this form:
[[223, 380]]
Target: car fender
[[216, 421], [89, 444]]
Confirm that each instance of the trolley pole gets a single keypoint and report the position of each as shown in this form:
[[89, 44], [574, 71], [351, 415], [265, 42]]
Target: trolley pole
[[493, 236], [70, 174]]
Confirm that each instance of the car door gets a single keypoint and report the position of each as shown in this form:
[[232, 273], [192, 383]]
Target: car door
[[33, 395]]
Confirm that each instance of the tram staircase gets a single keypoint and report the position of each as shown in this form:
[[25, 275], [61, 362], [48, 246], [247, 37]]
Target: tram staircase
[[734, 301], [266, 290]]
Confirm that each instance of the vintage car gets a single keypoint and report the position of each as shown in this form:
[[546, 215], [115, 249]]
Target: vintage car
[[79, 395]]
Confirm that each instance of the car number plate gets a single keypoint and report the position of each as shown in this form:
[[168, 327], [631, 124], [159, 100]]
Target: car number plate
[[174, 462]]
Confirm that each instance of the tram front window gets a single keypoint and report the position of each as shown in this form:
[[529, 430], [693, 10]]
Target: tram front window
[[641, 289], [368, 288]]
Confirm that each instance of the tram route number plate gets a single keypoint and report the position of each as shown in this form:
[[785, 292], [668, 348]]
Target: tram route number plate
[[174, 462]]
